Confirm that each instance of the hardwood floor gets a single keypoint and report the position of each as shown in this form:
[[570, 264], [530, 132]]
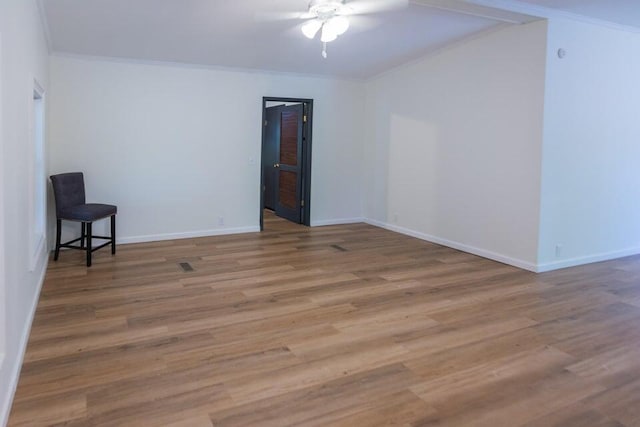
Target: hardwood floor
[[345, 326]]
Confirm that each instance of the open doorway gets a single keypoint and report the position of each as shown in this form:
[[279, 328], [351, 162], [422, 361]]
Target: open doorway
[[285, 178]]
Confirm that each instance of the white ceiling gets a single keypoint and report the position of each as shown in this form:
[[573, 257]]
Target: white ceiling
[[234, 33], [624, 12]]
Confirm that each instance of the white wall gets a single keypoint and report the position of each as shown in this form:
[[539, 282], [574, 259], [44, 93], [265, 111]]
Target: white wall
[[178, 147], [590, 174], [3, 310], [454, 145], [24, 58]]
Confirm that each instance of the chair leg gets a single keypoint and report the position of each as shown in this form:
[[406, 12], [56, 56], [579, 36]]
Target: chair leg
[[83, 235], [89, 233], [58, 234], [113, 234]]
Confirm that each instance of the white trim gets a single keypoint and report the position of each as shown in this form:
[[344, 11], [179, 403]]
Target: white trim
[[573, 262], [187, 235], [339, 221], [468, 8], [551, 13], [194, 66], [5, 407], [525, 265], [38, 254]]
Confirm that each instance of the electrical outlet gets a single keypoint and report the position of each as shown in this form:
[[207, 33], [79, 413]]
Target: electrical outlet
[[558, 251], [395, 218], [220, 220]]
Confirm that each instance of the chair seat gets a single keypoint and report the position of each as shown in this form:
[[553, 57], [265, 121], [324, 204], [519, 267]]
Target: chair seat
[[88, 212]]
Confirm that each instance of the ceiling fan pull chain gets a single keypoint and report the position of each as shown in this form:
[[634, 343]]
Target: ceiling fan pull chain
[[324, 50]]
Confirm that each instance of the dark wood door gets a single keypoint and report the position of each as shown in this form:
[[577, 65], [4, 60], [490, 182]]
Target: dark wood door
[[289, 164], [270, 155]]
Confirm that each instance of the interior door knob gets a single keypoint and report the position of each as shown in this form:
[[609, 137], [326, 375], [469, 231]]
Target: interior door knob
[[276, 165]]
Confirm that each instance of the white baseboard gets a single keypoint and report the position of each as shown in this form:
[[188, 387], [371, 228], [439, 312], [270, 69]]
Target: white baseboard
[[187, 235], [573, 262], [339, 221], [525, 265], [38, 253], [14, 376]]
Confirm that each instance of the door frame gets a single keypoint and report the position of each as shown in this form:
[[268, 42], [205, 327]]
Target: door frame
[[307, 135]]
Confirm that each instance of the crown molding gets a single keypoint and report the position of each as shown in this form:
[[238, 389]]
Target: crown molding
[[194, 66], [543, 12], [481, 11]]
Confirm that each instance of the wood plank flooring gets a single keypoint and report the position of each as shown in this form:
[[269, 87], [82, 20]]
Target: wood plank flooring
[[335, 326]]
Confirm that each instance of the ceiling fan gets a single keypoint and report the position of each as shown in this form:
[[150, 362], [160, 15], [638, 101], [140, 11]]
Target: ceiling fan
[[332, 18]]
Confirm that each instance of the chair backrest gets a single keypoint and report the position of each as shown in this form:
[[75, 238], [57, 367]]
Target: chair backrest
[[68, 190]]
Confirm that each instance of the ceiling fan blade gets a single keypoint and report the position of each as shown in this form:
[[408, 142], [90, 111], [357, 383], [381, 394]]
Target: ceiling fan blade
[[361, 7], [279, 16], [363, 23]]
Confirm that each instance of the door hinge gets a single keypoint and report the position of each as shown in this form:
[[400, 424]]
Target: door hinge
[[264, 188], [265, 122], [302, 203], [304, 118]]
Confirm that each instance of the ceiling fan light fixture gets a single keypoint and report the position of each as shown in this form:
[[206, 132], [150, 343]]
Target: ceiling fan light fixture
[[338, 25], [328, 35], [329, 20], [311, 28], [325, 8]]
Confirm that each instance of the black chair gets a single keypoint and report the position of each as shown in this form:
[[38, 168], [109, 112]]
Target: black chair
[[68, 190]]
